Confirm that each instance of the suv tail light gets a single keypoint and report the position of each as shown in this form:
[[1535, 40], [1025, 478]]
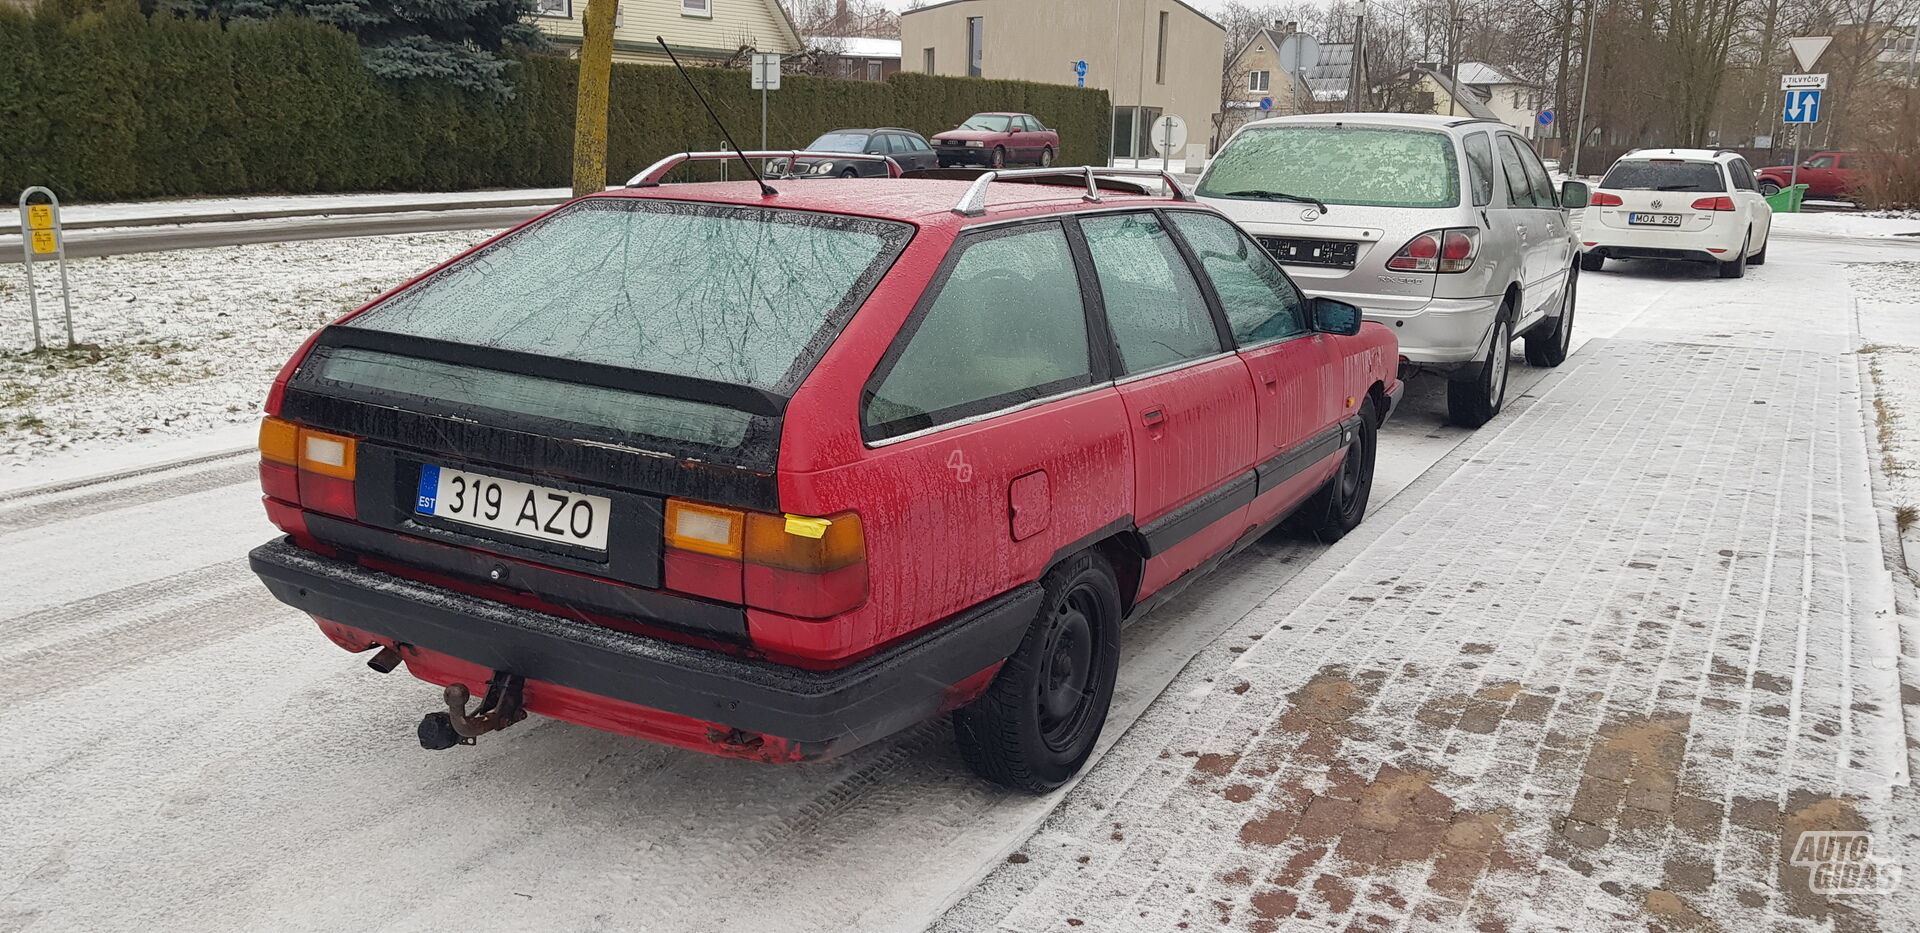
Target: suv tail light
[[1603, 199], [308, 468], [811, 568], [1713, 204], [1450, 250]]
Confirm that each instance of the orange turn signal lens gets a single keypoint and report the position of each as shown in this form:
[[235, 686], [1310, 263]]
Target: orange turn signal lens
[[279, 441], [327, 454], [705, 529], [808, 545]]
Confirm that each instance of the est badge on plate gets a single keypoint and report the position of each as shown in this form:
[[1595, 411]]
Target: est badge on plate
[[540, 512]]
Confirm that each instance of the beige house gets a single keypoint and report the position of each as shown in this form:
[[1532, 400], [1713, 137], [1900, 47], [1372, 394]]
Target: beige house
[[1335, 81], [700, 30], [1151, 56], [1481, 91]]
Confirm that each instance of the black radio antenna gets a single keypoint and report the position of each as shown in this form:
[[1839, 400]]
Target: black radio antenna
[[765, 189]]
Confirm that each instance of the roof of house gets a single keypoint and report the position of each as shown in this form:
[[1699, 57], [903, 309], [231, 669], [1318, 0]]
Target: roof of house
[[1483, 73], [1464, 95], [859, 46], [934, 6]]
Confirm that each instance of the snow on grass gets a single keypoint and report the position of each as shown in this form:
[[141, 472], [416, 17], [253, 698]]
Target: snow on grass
[[1889, 297], [1838, 223], [180, 342]]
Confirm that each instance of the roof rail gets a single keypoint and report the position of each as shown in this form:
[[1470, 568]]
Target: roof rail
[[658, 170], [974, 202]]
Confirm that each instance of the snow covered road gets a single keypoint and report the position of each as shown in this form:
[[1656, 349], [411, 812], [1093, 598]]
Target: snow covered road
[[186, 753]]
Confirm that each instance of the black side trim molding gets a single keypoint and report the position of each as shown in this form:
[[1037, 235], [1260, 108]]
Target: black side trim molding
[[1217, 503], [1287, 465], [841, 708]]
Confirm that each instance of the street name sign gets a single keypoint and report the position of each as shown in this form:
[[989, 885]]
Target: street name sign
[[1803, 82]]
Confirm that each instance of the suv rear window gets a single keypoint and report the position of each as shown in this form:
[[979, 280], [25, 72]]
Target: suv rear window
[[1401, 168], [740, 295], [1664, 175]]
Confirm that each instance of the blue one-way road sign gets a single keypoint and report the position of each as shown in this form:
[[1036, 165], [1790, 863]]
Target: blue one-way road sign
[[1802, 106]]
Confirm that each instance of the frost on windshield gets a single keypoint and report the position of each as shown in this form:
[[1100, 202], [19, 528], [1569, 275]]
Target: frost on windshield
[[1340, 165], [737, 295]]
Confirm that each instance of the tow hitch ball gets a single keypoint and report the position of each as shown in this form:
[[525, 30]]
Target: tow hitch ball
[[501, 708]]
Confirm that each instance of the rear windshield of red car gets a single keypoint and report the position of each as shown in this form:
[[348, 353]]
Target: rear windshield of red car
[[1664, 175], [742, 295]]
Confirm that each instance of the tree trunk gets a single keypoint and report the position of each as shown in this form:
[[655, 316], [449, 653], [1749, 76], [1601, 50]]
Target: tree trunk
[[590, 107]]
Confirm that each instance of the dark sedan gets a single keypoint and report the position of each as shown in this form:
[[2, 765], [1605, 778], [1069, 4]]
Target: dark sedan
[[906, 147]]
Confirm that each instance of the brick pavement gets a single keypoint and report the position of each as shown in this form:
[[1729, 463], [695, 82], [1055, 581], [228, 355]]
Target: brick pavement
[[1600, 677]]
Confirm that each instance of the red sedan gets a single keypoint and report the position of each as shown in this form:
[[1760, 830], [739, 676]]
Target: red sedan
[[773, 476], [997, 140]]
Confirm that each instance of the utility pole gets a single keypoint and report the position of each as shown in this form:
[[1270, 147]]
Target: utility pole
[[1456, 24], [590, 106], [1586, 75]]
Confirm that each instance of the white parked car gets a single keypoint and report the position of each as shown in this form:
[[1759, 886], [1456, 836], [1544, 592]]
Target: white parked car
[[1699, 205]]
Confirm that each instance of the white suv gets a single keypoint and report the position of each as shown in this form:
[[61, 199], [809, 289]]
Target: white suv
[[1699, 205]]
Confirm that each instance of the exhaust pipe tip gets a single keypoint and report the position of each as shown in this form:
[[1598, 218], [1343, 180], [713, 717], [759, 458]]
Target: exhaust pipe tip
[[385, 661]]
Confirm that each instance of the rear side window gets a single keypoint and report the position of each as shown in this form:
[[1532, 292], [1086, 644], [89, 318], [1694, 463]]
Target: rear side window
[[1260, 302], [1663, 175], [1007, 326], [1519, 187], [1742, 175], [1480, 168], [1154, 307], [1536, 173], [740, 295]]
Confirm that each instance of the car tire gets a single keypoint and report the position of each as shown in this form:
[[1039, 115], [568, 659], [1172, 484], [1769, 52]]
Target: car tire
[[1769, 189], [1549, 343], [1341, 505], [1760, 258], [1592, 262], [1737, 266], [850, 173], [1046, 157], [1473, 401], [999, 157], [1037, 723]]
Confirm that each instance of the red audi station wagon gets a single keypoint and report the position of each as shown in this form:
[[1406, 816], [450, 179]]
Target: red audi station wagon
[[777, 475]]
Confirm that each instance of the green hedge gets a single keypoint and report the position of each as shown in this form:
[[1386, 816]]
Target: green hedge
[[113, 105]]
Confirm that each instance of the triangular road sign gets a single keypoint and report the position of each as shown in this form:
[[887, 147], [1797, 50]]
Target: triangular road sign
[[1808, 48]]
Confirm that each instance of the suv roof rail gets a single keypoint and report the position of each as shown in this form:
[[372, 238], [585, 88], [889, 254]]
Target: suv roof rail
[[652, 174], [974, 202]]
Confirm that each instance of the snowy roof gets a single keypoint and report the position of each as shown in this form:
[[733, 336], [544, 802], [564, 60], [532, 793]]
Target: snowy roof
[[859, 46], [1468, 100], [1483, 73]]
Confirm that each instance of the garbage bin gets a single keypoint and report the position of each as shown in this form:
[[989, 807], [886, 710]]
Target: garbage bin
[[1788, 200]]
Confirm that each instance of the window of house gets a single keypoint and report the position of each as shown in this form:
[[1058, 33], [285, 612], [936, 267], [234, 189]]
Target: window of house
[[1154, 307], [926, 61], [873, 71], [1007, 327], [976, 42], [562, 9], [1160, 61], [1260, 303], [1258, 80], [696, 8]]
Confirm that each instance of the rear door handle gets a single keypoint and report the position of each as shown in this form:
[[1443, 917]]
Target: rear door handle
[[1269, 380], [1153, 416]]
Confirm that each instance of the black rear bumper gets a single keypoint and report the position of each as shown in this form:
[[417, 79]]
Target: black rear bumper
[[871, 698]]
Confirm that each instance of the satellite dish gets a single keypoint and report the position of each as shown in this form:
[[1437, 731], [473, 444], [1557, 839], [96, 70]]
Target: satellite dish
[[1299, 52]]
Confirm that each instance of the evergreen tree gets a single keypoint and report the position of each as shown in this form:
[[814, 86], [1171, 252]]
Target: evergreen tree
[[457, 42]]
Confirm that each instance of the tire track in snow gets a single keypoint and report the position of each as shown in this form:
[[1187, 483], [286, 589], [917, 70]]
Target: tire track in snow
[[60, 503]]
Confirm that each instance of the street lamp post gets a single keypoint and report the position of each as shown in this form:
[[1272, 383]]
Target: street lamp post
[[1586, 75]]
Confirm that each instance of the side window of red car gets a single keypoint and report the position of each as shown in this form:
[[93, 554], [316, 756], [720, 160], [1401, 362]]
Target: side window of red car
[[1006, 325], [1260, 302], [1155, 309]]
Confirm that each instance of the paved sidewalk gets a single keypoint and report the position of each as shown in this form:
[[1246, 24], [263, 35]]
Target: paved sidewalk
[[1600, 678]]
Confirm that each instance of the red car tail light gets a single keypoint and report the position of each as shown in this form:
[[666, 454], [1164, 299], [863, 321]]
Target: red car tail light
[[1714, 204], [1449, 250], [1603, 199], [791, 564], [309, 468]]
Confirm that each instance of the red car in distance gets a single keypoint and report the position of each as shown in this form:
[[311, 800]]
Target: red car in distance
[[1826, 174], [997, 140], [776, 475]]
